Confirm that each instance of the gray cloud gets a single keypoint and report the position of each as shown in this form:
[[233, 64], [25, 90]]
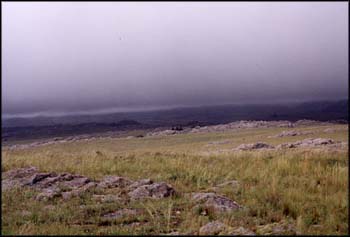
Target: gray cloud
[[70, 56]]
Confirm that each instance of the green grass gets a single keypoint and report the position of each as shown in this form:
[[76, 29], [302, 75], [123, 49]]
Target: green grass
[[308, 188]]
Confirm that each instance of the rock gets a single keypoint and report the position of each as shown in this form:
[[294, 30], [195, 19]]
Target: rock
[[291, 133], [217, 202], [78, 191], [286, 146], [65, 185], [76, 182], [330, 130], [241, 231], [18, 177], [140, 192], [48, 184], [163, 133], [126, 212], [219, 142], [226, 127], [315, 142], [19, 174], [155, 190], [25, 213], [139, 183], [88, 187], [280, 228], [305, 122], [309, 142], [68, 195], [174, 233], [48, 194], [254, 146], [37, 178], [53, 179], [258, 124], [114, 181], [322, 141], [213, 228]]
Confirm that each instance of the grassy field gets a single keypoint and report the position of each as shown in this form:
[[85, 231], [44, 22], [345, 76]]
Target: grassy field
[[305, 187]]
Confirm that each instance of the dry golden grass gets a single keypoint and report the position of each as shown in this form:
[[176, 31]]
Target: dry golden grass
[[308, 187]]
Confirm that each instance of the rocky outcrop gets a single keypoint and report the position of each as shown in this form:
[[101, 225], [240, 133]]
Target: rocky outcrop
[[213, 228], [278, 228], [254, 146], [174, 233], [217, 202], [243, 124], [309, 142], [307, 122], [330, 130], [219, 228], [114, 182], [154, 190], [17, 178], [240, 231], [65, 185], [219, 142], [291, 133]]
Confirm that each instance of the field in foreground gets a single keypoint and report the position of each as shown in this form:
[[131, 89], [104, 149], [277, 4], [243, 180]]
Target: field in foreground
[[304, 189]]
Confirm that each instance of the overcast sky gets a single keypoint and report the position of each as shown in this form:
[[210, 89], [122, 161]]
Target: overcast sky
[[78, 56]]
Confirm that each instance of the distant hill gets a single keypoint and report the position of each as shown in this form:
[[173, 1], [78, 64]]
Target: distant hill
[[29, 132], [127, 122], [321, 110], [44, 127]]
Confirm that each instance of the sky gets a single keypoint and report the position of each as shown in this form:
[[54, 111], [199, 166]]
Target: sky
[[71, 57]]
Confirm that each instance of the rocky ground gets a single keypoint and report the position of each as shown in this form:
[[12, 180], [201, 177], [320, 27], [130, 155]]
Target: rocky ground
[[49, 186], [66, 185]]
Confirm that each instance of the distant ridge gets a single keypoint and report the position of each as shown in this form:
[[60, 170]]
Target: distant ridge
[[320, 110]]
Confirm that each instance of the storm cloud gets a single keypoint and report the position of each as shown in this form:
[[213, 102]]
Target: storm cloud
[[72, 56]]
